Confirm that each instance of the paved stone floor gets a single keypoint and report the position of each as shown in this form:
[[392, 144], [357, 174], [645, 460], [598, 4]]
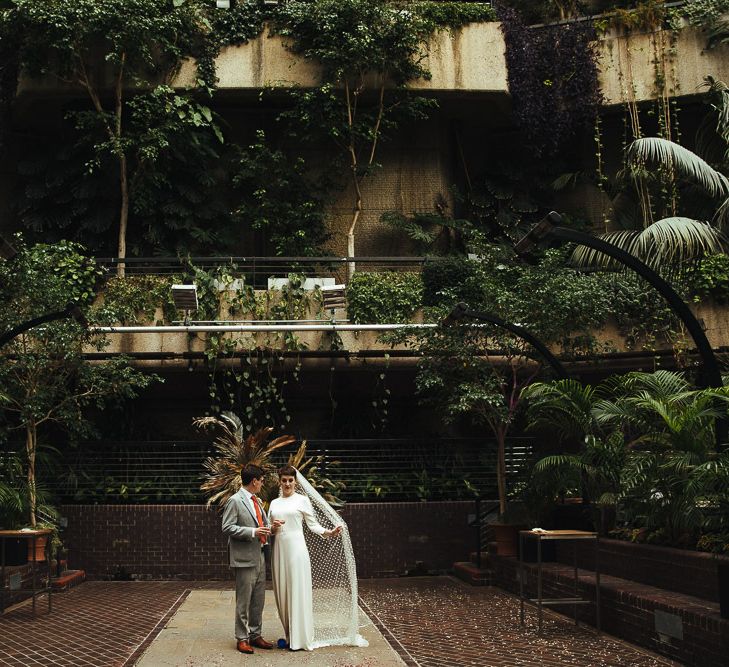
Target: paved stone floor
[[431, 622]]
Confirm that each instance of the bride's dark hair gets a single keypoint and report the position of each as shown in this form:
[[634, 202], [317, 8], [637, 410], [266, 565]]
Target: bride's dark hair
[[287, 471]]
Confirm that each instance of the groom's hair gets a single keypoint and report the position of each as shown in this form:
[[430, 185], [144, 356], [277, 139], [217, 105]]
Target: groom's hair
[[250, 472], [287, 471]]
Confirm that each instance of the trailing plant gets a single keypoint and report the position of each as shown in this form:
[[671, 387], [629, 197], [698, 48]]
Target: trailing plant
[[134, 299], [452, 15], [711, 278], [553, 79], [384, 297]]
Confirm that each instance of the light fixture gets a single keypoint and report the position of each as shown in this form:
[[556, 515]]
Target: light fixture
[[537, 233], [333, 296], [185, 297]]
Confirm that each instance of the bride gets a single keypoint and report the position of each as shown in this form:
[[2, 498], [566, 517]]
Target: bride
[[316, 596]]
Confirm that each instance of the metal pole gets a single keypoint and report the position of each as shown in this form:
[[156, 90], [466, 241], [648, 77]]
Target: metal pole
[[254, 328]]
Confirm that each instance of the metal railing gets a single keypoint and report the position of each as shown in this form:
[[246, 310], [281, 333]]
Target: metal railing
[[257, 270], [372, 469]]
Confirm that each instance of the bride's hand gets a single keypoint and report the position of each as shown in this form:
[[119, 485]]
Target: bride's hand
[[333, 532]]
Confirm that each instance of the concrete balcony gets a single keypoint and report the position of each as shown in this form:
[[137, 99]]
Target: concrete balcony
[[469, 60]]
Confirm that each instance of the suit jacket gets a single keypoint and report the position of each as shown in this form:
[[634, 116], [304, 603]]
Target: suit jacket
[[239, 524]]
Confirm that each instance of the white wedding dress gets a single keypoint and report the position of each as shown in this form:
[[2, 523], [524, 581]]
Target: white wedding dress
[[291, 569], [317, 605]]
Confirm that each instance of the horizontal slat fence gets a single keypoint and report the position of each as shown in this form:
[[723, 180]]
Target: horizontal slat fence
[[371, 469]]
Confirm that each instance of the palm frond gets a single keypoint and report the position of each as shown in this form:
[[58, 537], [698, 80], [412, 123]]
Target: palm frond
[[656, 151], [671, 241]]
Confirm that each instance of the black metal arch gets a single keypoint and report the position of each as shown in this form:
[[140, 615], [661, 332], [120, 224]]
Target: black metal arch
[[461, 311]]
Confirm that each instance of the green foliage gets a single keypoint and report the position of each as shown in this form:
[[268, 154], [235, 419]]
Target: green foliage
[[649, 449], [45, 378], [384, 297], [429, 232], [277, 195], [642, 318], [133, 299], [711, 278], [237, 25], [448, 280], [452, 14], [350, 38]]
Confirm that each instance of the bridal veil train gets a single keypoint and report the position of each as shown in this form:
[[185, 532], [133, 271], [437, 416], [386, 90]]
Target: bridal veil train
[[336, 614]]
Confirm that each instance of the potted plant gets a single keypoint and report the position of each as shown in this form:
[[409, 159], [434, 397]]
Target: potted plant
[[15, 503]]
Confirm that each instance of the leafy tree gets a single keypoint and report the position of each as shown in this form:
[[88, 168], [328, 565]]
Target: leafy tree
[[44, 377], [479, 372], [368, 51], [112, 46]]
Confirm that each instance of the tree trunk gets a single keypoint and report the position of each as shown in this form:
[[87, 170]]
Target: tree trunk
[[501, 470], [350, 239], [31, 436], [123, 181], [123, 214]]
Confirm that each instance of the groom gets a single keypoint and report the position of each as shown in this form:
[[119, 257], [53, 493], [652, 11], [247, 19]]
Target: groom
[[246, 526]]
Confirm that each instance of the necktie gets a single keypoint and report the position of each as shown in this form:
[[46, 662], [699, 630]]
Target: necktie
[[259, 517]]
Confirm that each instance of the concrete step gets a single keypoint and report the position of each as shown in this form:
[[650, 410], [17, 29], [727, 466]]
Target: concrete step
[[68, 579], [468, 572], [484, 558]]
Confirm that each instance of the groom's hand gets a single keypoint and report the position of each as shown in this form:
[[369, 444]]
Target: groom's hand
[[262, 531]]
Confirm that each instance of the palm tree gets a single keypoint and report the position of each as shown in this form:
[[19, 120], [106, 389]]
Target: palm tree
[[567, 407], [674, 240], [672, 473]]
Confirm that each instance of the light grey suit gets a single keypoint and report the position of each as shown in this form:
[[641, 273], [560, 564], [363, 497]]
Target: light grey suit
[[247, 559]]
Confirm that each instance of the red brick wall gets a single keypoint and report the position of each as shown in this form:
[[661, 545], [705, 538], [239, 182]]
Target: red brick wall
[[689, 572], [184, 541]]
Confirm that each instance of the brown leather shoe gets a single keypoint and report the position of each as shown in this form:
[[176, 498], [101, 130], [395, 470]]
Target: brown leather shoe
[[260, 642], [245, 647]]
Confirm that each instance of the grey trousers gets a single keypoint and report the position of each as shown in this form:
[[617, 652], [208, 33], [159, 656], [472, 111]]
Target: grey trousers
[[250, 595]]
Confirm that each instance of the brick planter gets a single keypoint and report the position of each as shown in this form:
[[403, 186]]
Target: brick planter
[[689, 572]]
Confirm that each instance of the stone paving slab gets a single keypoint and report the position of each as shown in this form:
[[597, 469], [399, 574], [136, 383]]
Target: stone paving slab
[[200, 634]]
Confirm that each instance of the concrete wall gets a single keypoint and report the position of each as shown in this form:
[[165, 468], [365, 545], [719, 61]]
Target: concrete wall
[[471, 58]]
